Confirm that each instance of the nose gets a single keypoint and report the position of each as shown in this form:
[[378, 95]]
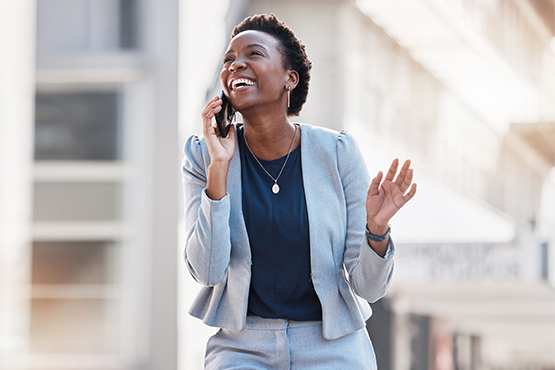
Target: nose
[[237, 65]]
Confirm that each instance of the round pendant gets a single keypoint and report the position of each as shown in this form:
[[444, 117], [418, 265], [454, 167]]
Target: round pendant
[[275, 189]]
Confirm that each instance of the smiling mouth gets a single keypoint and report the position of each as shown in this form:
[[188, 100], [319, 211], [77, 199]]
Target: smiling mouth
[[241, 82]]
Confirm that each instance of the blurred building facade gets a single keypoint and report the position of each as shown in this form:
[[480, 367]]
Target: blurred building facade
[[90, 281], [91, 271]]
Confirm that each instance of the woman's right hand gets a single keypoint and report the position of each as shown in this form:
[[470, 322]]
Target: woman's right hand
[[221, 150]]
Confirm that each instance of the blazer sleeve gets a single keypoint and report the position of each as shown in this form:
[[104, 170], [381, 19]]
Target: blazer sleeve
[[208, 243], [369, 274]]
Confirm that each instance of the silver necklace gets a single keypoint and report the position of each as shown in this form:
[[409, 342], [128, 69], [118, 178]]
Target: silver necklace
[[275, 187]]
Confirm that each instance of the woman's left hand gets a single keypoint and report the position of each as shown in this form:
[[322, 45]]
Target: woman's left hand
[[386, 198]]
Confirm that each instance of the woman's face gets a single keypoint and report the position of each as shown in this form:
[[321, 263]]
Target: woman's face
[[253, 74]]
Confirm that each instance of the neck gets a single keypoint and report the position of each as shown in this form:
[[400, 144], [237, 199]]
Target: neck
[[270, 139]]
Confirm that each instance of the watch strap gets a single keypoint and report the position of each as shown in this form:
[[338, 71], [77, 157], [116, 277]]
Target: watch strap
[[377, 238]]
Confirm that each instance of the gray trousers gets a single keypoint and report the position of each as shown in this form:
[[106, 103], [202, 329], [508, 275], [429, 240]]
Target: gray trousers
[[283, 345]]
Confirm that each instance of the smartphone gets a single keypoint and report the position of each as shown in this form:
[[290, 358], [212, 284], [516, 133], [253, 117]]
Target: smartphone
[[225, 116]]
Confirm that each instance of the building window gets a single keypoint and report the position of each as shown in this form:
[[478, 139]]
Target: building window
[[72, 326], [77, 201], [81, 26], [74, 305], [73, 262], [128, 24], [77, 126]]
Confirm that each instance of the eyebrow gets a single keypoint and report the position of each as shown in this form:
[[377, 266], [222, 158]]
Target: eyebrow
[[256, 45], [249, 46]]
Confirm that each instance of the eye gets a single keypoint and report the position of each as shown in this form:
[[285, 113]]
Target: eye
[[228, 60], [256, 52]]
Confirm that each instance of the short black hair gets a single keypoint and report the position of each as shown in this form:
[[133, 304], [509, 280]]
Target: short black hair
[[292, 49]]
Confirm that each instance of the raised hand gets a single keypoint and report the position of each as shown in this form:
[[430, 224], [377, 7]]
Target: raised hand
[[386, 198], [220, 149]]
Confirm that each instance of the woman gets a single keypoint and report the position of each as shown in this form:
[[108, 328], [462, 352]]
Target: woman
[[276, 215]]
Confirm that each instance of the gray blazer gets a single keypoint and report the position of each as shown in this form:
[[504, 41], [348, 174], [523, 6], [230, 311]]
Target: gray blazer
[[346, 272]]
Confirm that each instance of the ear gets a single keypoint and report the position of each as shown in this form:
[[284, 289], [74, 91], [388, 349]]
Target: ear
[[292, 79]]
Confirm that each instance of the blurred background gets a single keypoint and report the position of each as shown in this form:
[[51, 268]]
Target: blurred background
[[98, 96]]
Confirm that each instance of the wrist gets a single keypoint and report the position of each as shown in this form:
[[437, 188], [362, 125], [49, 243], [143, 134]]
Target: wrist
[[216, 184], [219, 164], [378, 236], [375, 228]]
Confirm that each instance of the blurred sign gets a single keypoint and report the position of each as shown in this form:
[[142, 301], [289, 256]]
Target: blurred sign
[[458, 261]]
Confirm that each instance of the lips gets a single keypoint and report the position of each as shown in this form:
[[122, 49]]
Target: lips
[[238, 83]]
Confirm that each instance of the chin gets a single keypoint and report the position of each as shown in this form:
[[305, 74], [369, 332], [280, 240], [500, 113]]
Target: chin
[[240, 105]]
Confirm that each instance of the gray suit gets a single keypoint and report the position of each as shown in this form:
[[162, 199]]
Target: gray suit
[[346, 272]]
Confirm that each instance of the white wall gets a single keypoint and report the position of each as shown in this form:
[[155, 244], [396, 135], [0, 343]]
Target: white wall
[[16, 156]]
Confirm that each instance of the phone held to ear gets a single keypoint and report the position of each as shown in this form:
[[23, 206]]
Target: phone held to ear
[[224, 116]]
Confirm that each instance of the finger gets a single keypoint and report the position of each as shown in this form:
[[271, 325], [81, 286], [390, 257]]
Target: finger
[[231, 132], [211, 108], [208, 118], [403, 173], [392, 170], [374, 188], [407, 181], [410, 194], [214, 101], [210, 127]]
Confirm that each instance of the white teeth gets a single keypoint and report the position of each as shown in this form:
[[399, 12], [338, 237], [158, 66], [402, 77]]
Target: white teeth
[[240, 81]]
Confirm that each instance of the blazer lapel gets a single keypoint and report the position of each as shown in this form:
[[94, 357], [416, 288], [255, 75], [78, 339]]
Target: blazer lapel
[[314, 184], [239, 236]]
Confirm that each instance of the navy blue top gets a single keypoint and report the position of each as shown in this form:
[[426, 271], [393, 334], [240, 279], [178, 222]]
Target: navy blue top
[[277, 225]]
